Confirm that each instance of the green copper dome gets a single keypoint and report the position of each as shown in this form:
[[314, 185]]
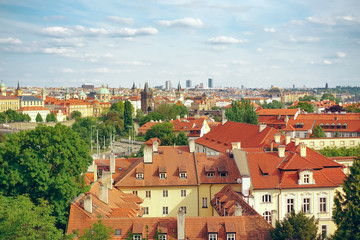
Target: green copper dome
[[103, 90]]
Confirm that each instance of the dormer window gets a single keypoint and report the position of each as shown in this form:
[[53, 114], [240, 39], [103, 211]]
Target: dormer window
[[162, 175], [223, 172], [306, 177], [212, 236], [140, 176], [182, 172], [162, 172], [210, 171], [183, 175], [162, 236], [210, 174], [230, 236]]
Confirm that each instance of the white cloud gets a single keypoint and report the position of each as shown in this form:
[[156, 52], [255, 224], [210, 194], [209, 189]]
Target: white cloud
[[226, 40], [327, 62], [67, 70], [60, 50], [183, 22], [349, 19], [121, 20], [341, 54], [271, 30], [240, 62], [10, 41], [79, 30], [308, 39], [259, 50], [325, 21]]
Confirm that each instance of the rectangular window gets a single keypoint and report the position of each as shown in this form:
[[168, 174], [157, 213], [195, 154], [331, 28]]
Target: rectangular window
[[306, 178], [230, 236], [323, 205], [135, 193], [148, 194], [146, 210], [212, 236], [162, 236], [165, 210], [139, 176], [184, 209], [183, 175], [223, 174], [137, 236], [204, 202], [183, 193], [162, 175], [323, 231], [165, 193], [290, 205], [118, 232], [306, 205], [210, 174]]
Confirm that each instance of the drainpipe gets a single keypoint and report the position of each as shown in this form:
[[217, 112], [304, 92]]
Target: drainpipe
[[279, 205], [212, 209], [198, 184]]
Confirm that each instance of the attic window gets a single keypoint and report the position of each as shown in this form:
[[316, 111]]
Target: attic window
[[230, 236], [327, 125], [161, 152], [140, 176], [162, 175], [182, 175], [344, 126], [212, 236], [338, 126], [210, 174], [332, 126]]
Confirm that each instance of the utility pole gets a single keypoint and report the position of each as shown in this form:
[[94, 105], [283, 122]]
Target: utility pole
[[97, 142]]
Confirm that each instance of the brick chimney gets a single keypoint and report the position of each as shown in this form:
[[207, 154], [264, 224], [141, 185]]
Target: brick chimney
[[262, 126], [103, 193], [88, 202], [287, 138], [277, 138], [95, 173], [181, 224], [112, 163], [107, 179], [238, 210], [281, 151], [303, 149], [192, 145]]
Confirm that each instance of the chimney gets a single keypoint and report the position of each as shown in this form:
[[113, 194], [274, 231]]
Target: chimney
[[95, 173], [88, 203], [238, 210], [91, 167], [281, 151], [277, 138], [112, 163], [287, 138], [262, 126], [297, 141], [223, 117], [178, 117], [245, 187], [271, 146], [197, 116], [185, 116], [148, 154], [103, 193], [107, 179], [181, 225], [303, 149], [192, 145], [235, 145], [155, 146]]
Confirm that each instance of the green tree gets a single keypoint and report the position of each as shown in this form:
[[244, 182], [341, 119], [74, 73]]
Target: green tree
[[48, 118], [39, 118], [139, 116], [242, 111], [346, 213], [98, 232], [47, 163], [318, 132], [119, 108], [22, 219], [128, 111], [296, 226], [152, 116], [84, 126], [307, 98], [328, 96], [273, 105], [53, 117], [27, 118], [304, 106], [75, 114], [181, 139], [163, 131], [340, 151]]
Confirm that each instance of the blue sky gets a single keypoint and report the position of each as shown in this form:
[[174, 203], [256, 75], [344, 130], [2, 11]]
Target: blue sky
[[252, 43]]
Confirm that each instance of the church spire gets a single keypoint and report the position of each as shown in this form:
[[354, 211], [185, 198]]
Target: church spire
[[179, 87], [146, 88]]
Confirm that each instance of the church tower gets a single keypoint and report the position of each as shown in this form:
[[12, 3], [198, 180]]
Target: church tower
[[179, 95], [18, 90], [2, 89], [146, 100]]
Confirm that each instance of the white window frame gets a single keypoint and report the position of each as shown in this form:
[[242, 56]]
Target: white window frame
[[165, 210], [165, 193], [267, 216], [223, 174], [306, 178], [212, 236], [210, 174], [162, 175], [140, 176], [148, 194], [162, 236], [323, 205], [135, 192], [288, 204], [306, 205], [266, 198], [324, 228], [184, 209], [204, 202], [137, 236], [182, 175], [230, 236], [183, 193]]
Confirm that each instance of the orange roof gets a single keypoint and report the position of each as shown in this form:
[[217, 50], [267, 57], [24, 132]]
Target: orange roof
[[276, 112], [33, 108], [221, 137]]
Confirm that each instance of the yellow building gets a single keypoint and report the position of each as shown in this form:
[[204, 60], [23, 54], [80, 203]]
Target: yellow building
[[9, 103]]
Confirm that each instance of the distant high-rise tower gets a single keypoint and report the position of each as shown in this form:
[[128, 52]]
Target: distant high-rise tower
[[146, 99], [210, 83], [167, 85], [326, 86], [188, 83]]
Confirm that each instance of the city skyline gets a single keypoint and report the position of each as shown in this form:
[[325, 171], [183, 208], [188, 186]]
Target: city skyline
[[252, 43]]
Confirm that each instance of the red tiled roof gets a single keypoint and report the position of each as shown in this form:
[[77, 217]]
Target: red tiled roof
[[33, 108], [276, 112]]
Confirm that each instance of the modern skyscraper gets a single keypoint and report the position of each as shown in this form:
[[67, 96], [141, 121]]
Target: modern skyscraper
[[188, 84], [167, 85], [210, 83]]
